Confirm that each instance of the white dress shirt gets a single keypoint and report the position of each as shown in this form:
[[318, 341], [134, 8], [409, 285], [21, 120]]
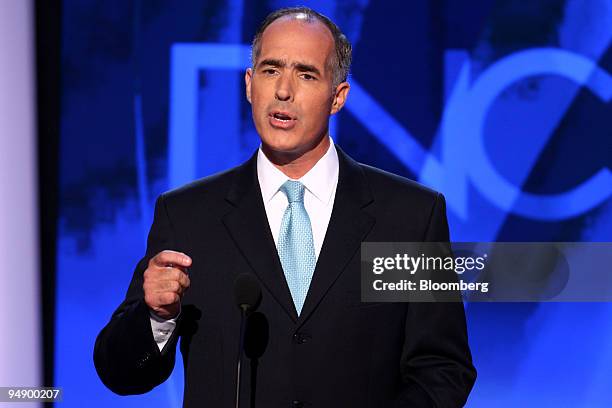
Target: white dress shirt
[[321, 182]]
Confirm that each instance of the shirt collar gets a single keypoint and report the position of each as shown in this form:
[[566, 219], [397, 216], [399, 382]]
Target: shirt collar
[[320, 180]]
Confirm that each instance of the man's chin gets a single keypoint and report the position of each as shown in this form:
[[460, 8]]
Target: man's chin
[[282, 149], [282, 153], [280, 142]]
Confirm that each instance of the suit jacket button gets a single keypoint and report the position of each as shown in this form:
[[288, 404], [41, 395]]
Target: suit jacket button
[[297, 404]]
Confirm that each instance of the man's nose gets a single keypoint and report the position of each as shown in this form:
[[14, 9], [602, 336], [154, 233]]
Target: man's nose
[[284, 88]]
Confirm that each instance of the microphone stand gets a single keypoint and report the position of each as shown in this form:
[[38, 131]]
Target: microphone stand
[[247, 294], [243, 313]]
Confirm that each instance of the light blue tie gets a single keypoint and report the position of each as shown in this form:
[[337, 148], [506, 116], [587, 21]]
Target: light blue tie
[[295, 244]]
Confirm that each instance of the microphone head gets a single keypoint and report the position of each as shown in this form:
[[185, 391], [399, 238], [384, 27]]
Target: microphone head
[[247, 291]]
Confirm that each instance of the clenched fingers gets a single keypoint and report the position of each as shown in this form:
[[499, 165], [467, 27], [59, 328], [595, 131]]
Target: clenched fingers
[[155, 273], [170, 258], [172, 280], [165, 281]]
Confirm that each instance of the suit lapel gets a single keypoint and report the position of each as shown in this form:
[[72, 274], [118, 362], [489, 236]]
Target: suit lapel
[[349, 224], [248, 225], [347, 227]]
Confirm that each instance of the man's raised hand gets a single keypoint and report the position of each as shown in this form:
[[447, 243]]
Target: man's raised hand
[[165, 281]]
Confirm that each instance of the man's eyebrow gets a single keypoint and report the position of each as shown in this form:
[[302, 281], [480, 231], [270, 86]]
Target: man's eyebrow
[[273, 62], [302, 67]]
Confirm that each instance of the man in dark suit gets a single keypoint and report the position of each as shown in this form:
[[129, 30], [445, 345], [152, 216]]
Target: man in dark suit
[[294, 217]]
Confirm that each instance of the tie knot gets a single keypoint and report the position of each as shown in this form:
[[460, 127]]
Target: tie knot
[[294, 190]]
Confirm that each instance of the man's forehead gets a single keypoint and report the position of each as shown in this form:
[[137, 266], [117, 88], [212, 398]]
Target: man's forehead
[[296, 31]]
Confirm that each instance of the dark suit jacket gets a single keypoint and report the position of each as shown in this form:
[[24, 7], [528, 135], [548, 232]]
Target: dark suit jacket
[[339, 352]]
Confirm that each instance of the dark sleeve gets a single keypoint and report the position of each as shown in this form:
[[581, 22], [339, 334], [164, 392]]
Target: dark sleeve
[[127, 359], [436, 364]]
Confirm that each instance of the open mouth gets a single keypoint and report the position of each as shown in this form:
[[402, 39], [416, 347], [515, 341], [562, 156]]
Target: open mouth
[[281, 116], [282, 120]]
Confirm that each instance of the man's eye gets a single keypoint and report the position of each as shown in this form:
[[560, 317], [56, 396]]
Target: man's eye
[[308, 77], [269, 71]]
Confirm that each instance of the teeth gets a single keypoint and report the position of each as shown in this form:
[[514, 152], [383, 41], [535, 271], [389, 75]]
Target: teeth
[[282, 118]]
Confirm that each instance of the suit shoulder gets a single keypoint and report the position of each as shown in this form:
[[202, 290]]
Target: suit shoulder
[[214, 185], [404, 209], [385, 183]]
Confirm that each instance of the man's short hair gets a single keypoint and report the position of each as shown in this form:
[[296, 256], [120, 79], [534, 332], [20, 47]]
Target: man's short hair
[[342, 61]]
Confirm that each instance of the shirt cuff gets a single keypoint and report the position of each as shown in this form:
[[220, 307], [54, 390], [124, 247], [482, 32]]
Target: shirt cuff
[[162, 329]]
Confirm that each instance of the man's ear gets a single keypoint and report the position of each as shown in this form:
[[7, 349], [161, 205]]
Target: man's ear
[[248, 76], [340, 95]]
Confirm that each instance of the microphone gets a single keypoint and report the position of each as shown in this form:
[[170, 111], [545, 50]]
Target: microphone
[[247, 291], [247, 294]]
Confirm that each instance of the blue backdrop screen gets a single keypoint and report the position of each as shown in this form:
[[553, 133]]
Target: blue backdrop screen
[[503, 106]]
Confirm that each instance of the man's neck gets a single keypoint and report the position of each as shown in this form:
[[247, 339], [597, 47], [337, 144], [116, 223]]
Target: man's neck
[[295, 165]]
